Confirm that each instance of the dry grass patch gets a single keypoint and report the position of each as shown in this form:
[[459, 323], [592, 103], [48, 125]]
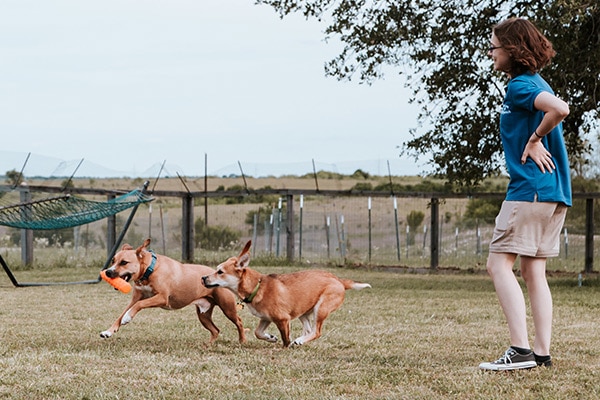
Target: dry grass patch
[[410, 337]]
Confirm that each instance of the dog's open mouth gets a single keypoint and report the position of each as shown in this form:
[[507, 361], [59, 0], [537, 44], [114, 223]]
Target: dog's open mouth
[[126, 276]]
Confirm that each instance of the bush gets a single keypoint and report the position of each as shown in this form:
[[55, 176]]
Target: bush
[[414, 219], [362, 187], [215, 237], [481, 210]]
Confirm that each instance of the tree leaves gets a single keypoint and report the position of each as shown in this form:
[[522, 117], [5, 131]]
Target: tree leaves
[[444, 46]]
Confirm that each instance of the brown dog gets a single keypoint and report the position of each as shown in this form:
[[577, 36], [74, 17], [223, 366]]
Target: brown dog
[[308, 295], [160, 281]]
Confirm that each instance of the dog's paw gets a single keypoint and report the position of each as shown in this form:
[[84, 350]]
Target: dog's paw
[[271, 338], [298, 342], [105, 334], [126, 318]]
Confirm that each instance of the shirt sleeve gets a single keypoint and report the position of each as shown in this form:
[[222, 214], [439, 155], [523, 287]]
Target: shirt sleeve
[[524, 92]]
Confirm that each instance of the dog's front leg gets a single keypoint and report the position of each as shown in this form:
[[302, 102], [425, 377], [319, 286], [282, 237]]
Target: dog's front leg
[[158, 300], [117, 324], [261, 334]]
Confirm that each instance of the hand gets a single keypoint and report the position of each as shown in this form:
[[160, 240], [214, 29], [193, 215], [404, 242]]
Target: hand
[[539, 154]]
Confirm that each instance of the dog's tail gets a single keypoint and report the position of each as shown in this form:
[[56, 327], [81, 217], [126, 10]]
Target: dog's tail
[[350, 284]]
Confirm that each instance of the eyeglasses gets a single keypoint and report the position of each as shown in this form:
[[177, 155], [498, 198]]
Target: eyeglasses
[[492, 48]]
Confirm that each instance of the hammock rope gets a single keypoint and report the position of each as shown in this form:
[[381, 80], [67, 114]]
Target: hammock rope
[[67, 211]]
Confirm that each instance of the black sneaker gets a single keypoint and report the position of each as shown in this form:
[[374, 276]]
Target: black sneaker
[[511, 360], [543, 361]]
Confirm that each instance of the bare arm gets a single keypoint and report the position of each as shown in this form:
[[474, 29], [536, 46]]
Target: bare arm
[[555, 110]]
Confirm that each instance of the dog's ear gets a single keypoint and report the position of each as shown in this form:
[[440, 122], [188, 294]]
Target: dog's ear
[[140, 250], [143, 247], [246, 248], [244, 257], [126, 247], [243, 261]]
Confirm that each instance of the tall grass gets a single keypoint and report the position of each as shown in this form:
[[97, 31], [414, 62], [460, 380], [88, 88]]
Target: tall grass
[[409, 337]]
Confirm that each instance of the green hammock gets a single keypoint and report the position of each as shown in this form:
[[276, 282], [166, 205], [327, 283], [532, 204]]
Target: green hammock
[[67, 211]]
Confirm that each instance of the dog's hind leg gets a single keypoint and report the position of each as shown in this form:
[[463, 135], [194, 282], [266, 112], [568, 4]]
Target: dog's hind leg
[[205, 317], [237, 321], [284, 330], [307, 328], [228, 305], [260, 331], [330, 301]]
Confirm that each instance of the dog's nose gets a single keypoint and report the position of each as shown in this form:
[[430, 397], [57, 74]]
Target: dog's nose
[[204, 280], [111, 273]]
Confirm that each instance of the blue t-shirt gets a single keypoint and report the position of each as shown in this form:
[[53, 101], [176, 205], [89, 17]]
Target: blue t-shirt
[[518, 120]]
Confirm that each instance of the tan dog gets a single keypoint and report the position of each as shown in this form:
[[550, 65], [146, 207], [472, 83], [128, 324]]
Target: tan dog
[[160, 281], [308, 295]]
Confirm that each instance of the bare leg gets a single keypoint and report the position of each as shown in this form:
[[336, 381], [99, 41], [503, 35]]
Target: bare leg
[[510, 295], [534, 273]]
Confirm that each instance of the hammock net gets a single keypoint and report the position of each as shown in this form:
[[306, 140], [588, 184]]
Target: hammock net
[[67, 211]]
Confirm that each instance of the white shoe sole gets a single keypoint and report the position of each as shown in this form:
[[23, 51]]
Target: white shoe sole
[[507, 367]]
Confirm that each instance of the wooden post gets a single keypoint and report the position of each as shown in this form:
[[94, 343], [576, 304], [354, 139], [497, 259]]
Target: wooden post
[[111, 230], [187, 228], [26, 234], [589, 235]]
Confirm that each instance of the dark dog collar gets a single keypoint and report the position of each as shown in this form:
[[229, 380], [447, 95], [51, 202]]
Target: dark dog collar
[[150, 268], [253, 294]]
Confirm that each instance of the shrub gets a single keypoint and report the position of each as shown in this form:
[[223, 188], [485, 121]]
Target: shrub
[[481, 210], [215, 237]]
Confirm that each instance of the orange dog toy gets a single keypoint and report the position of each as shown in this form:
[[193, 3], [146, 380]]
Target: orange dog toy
[[117, 283]]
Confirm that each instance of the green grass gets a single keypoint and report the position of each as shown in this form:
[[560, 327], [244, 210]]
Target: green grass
[[409, 337]]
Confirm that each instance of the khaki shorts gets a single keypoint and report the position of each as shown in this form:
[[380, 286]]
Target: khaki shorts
[[529, 229]]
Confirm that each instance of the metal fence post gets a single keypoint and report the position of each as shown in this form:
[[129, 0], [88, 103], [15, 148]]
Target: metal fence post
[[435, 233], [289, 226]]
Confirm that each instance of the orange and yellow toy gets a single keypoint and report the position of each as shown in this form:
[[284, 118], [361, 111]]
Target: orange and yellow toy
[[117, 283]]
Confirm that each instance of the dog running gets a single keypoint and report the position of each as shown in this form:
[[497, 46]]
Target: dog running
[[160, 281], [309, 295]]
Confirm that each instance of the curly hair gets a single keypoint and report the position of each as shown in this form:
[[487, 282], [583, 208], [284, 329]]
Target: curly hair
[[529, 49]]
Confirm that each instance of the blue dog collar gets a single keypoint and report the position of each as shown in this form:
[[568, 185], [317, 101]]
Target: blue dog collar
[[150, 268]]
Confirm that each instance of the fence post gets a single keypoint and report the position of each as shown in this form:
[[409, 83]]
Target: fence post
[[26, 234], [397, 229], [289, 226], [589, 235], [187, 228], [435, 232], [300, 228], [369, 226], [111, 230], [278, 228]]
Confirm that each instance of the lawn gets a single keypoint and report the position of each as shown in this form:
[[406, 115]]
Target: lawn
[[409, 337]]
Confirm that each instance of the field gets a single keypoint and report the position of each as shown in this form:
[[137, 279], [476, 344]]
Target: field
[[409, 337]]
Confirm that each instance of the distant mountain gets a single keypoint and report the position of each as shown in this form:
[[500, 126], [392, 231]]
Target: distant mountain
[[45, 166], [51, 167]]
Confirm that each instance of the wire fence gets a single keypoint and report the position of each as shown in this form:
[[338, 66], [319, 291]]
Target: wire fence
[[361, 230], [377, 232], [335, 228]]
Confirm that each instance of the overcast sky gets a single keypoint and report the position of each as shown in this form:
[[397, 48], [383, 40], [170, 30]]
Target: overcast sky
[[128, 84]]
